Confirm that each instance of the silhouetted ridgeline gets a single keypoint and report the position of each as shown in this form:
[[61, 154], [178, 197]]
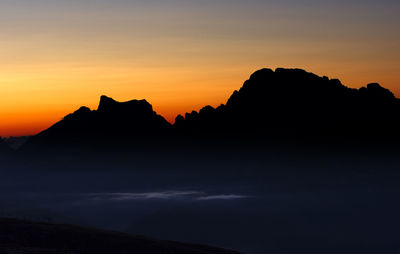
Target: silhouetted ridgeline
[[294, 103], [285, 104], [112, 122]]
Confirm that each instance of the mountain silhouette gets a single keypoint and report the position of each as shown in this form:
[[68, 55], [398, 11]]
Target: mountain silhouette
[[295, 103], [280, 104], [112, 121]]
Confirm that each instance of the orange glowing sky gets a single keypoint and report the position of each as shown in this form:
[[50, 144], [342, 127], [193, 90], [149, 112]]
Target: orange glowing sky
[[179, 55]]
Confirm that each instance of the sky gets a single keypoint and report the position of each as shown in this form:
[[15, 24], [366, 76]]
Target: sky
[[58, 55]]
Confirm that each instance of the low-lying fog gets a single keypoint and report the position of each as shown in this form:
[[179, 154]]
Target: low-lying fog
[[268, 204]]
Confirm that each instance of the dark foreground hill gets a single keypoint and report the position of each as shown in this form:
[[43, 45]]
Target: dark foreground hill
[[17, 236], [285, 104]]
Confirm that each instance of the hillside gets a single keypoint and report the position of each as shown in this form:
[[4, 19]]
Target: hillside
[[17, 236]]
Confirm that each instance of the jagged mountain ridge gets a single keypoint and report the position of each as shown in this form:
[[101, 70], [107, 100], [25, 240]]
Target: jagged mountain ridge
[[280, 103], [292, 102], [111, 120]]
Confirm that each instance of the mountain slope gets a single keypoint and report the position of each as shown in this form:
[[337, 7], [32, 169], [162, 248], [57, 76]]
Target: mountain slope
[[282, 104], [112, 121], [293, 102], [17, 236], [5, 150]]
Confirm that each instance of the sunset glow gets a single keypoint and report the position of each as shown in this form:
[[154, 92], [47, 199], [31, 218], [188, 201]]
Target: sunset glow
[[179, 55]]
